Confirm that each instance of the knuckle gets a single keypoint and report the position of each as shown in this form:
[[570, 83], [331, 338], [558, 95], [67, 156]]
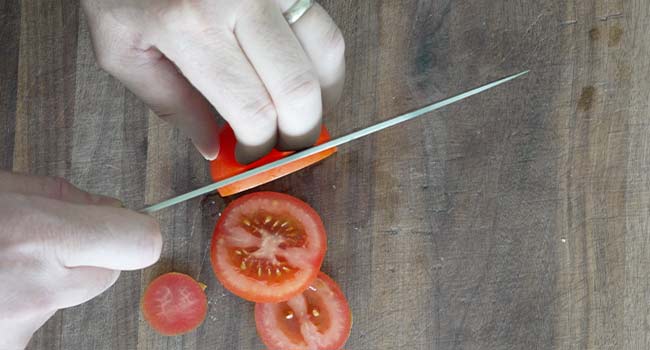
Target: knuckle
[[245, 8], [186, 15], [260, 113], [116, 45], [300, 86], [169, 11], [256, 7]]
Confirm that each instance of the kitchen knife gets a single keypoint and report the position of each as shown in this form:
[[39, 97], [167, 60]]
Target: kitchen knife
[[329, 144]]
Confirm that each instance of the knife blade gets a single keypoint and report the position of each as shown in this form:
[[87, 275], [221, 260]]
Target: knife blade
[[329, 144]]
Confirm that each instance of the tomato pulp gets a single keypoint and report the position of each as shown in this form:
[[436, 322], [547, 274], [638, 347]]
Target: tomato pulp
[[317, 319], [174, 304], [268, 247]]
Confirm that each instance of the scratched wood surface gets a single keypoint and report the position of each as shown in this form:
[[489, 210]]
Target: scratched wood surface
[[519, 219]]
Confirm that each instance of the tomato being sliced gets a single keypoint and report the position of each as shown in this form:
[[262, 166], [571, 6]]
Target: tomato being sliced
[[226, 165], [318, 319], [268, 247], [174, 304]]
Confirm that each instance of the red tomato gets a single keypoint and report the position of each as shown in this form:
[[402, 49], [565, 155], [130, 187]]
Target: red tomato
[[268, 247], [226, 165], [174, 304], [318, 319]]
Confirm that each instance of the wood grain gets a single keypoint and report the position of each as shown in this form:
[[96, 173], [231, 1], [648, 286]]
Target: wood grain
[[518, 219], [10, 31]]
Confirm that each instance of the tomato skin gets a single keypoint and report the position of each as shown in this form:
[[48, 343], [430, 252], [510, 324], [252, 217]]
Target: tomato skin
[[233, 279], [333, 337], [185, 320], [226, 165]]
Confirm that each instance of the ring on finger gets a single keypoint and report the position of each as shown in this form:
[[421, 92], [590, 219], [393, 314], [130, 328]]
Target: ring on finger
[[297, 10]]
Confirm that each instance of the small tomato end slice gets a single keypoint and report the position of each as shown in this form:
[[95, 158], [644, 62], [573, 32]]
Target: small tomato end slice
[[174, 304], [226, 165], [268, 247], [317, 319]]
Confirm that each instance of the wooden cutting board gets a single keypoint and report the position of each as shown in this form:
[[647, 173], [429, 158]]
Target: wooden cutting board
[[518, 219]]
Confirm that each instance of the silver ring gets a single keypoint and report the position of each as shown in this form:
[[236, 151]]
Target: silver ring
[[297, 10]]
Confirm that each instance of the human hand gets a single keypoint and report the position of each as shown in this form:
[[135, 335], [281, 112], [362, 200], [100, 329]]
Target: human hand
[[264, 76], [60, 247]]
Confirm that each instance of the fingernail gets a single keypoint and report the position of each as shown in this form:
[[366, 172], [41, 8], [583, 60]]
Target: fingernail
[[210, 157], [209, 149]]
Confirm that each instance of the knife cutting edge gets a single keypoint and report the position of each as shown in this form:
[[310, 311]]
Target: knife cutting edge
[[327, 145]]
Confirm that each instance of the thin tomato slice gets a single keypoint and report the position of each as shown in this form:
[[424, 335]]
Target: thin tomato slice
[[317, 319], [268, 247], [226, 165], [174, 304]]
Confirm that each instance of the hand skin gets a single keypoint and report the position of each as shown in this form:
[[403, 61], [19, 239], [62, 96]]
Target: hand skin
[[269, 80], [60, 247]]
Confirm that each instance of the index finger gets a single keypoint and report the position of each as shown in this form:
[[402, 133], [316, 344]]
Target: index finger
[[87, 235]]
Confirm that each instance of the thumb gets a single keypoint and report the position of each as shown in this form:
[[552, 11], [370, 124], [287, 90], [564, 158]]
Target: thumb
[[106, 237], [89, 235]]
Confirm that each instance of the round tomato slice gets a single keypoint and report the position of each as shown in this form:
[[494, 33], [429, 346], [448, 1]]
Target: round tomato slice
[[267, 247], [174, 304], [318, 319]]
